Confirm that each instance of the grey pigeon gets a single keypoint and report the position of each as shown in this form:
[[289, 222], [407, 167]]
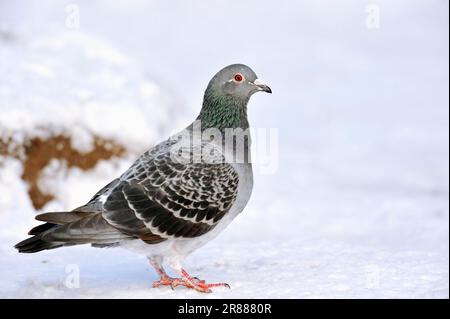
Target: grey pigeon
[[175, 197]]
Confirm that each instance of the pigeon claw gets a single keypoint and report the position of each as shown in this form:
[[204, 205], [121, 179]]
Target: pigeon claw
[[200, 285], [196, 285], [163, 281], [189, 282]]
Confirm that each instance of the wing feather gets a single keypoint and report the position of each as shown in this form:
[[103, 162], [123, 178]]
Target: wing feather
[[171, 199]]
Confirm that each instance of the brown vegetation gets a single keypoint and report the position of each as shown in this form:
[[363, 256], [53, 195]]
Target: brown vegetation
[[36, 153]]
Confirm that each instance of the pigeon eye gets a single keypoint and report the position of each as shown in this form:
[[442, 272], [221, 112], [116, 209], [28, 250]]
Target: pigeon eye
[[238, 77]]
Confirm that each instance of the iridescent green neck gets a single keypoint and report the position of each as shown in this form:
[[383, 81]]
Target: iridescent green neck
[[223, 111]]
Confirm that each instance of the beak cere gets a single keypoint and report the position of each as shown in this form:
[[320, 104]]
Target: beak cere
[[261, 86]]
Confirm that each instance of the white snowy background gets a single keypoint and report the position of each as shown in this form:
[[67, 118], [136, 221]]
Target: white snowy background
[[358, 206]]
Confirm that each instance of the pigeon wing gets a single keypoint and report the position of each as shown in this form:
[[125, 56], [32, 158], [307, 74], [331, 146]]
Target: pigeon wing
[[167, 199]]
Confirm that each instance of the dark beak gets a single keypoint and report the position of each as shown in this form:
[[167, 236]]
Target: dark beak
[[261, 86]]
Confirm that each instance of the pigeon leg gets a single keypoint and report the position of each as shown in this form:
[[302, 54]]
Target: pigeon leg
[[186, 280], [165, 279], [195, 283]]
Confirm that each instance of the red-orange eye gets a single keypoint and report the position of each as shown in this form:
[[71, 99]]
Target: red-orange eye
[[238, 77]]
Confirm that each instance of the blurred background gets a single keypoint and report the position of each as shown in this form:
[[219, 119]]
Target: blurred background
[[358, 205]]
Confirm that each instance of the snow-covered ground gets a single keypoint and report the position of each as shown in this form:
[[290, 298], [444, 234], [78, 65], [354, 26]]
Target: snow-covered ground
[[359, 203]]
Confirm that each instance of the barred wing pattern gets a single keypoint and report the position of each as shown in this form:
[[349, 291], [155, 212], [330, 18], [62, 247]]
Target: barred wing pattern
[[160, 199]]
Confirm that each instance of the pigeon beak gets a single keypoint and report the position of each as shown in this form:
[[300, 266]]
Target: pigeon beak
[[261, 86]]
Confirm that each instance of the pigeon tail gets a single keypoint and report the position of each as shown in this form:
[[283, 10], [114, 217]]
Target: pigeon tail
[[35, 244], [71, 228]]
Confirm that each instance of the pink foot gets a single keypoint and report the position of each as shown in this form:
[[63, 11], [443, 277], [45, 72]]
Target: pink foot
[[163, 281], [196, 284], [188, 282]]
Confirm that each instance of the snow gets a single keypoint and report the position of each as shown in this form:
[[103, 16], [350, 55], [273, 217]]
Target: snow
[[75, 80], [358, 202]]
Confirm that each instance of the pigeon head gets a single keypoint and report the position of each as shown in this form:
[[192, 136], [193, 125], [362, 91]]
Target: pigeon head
[[227, 95], [237, 80]]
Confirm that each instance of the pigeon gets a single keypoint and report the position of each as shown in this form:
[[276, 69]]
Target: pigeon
[[175, 197]]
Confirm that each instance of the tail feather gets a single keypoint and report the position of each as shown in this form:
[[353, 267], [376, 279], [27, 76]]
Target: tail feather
[[62, 218], [41, 228], [35, 244], [68, 229]]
